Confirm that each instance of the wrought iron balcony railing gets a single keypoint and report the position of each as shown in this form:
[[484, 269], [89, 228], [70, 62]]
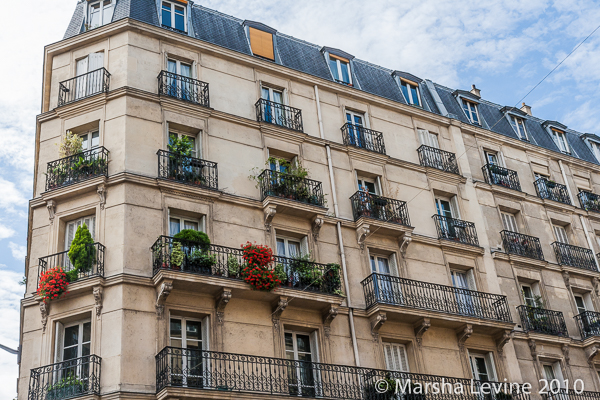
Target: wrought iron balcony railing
[[387, 289], [534, 319], [183, 88], [66, 379], [229, 262], [279, 114], [552, 191], [200, 369], [589, 201], [78, 168], [438, 159], [497, 175], [574, 256], [83, 86], [93, 267], [522, 245], [570, 394], [588, 323], [456, 230], [278, 184], [369, 205], [188, 170], [361, 137]]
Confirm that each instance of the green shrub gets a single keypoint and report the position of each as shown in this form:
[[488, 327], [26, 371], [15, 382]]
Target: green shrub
[[177, 255], [233, 266], [191, 235], [82, 252]]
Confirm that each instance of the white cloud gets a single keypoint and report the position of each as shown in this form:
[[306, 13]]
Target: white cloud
[[6, 232], [11, 196], [10, 295], [19, 252]]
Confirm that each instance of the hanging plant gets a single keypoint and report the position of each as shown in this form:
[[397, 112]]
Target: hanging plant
[[53, 284], [258, 273], [257, 254]]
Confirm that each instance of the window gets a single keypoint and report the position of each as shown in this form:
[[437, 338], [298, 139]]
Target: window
[[561, 140], [282, 164], [411, 92], [553, 372], [383, 265], [561, 234], [583, 302], [71, 228], [177, 224], [179, 68], [370, 186], [395, 357], [89, 82], [192, 335], [463, 279], [274, 95], [529, 297], [491, 157], [447, 207], [580, 304], [99, 13], [470, 109], [261, 43], [509, 222], [482, 366], [518, 125], [291, 248], [301, 346], [91, 140], [273, 112], [173, 16], [356, 132], [173, 136], [73, 341], [428, 139], [340, 69], [595, 149]]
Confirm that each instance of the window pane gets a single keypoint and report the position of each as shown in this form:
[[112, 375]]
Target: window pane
[[87, 332], [345, 72], [193, 330], [95, 15], [71, 336], [280, 247], [482, 369], [415, 95], [373, 265], [358, 120], [304, 357], [190, 225], [179, 22], [186, 70], [175, 328], [106, 17], [303, 342], [384, 268], [85, 350], [289, 341], [265, 93], [349, 117], [405, 92], [277, 97], [84, 142], [70, 353], [172, 66], [95, 139], [293, 248], [334, 69], [166, 14], [549, 372], [174, 227]]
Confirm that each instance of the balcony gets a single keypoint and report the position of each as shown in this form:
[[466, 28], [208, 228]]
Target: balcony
[[387, 289], [574, 256], [278, 184], [183, 88], [456, 230], [363, 138], [438, 159], [279, 114], [187, 170], [589, 201], [588, 323], [83, 86], [552, 191], [381, 208], [497, 175], [94, 268], [66, 379], [570, 394], [539, 320], [228, 262], [522, 245], [179, 370], [78, 168]]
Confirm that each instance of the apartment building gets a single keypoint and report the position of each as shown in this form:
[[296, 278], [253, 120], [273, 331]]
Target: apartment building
[[420, 232]]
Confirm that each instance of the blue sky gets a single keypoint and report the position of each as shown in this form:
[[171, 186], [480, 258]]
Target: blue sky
[[504, 47]]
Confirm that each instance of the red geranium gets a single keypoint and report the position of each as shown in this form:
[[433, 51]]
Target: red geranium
[[258, 273], [53, 284]]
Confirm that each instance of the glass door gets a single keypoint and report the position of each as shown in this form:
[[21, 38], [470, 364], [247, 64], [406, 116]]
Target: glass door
[[186, 358], [382, 284], [355, 129], [301, 375], [464, 298]]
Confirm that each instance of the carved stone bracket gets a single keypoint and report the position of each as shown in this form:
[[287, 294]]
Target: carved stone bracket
[[361, 235], [420, 329], [163, 293], [328, 317], [102, 195], [44, 310], [567, 279], [98, 297], [463, 335], [317, 223], [532, 348], [51, 206], [404, 241], [504, 338], [596, 284], [221, 302], [278, 309], [565, 351], [377, 322], [590, 353], [269, 215]]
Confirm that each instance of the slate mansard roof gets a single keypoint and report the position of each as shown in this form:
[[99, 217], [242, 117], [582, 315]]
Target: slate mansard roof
[[229, 32]]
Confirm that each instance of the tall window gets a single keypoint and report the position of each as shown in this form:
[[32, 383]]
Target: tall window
[[291, 247], [340, 69], [482, 366], [470, 109], [553, 371], [529, 296], [177, 224], [446, 207], [73, 340], [179, 68], [428, 139], [580, 304], [561, 234], [356, 132], [561, 140], [173, 16], [99, 13], [395, 357], [71, 228], [273, 113], [92, 83], [368, 185], [463, 279], [90, 140], [301, 346], [491, 157], [411, 92], [192, 336], [518, 125], [509, 222]]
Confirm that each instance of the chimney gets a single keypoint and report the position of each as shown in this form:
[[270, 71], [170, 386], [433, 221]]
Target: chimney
[[475, 91], [526, 109]]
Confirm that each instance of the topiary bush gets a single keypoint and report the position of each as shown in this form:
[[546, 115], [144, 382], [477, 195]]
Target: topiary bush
[[82, 252], [191, 235]]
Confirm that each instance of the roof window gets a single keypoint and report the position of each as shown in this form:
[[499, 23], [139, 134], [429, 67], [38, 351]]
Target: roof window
[[340, 69], [173, 16], [410, 90], [471, 111], [261, 43]]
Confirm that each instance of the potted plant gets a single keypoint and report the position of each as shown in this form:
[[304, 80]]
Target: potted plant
[[69, 386], [53, 284], [257, 273], [82, 253], [233, 266], [331, 278], [202, 262], [177, 255], [308, 273], [282, 275], [550, 184]]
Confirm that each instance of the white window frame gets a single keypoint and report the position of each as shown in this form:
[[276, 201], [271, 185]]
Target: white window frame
[[183, 220], [59, 339], [184, 321], [509, 221], [514, 122], [561, 234], [355, 114], [178, 66], [197, 148], [410, 99], [470, 278], [339, 69], [428, 139], [470, 112], [556, 371], [361, 181], [495, 154], [172, 22], [560, 139], [102, 8], [302, 245], [271, 96], [78, 222], [488, 359], [453, 201], [396, 357], [314, 354], [595, 149], [88, 136], [532, 290]]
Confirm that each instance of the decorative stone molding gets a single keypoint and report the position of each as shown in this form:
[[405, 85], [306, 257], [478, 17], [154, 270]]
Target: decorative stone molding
[[163, 293], [596, 284], [278, 309], [361, 235], [269, 215], [328, 317], [221, 302], [44, 310], [377, 322], [532, 348], [51, 206], [404, 241], [102, 195], [98, 297], [317, 223], [567, 279], [463, 335], [590, 353], [420, 329], [565, 351], [504, 338]]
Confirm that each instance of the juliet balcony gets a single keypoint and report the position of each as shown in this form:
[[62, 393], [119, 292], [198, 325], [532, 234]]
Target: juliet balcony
[[500, 176], [380, 208], [574, 256], [93, 265], [589, 201], [279, 114], [551, 190], [183, 88], [77, 168], [571, 394], [363, 138], [179, 371], [67, 379], [456, 230], [522, 245], [83, 86], [438, 159], [287, 186], [588, 323], [187, 170], [539, 320]]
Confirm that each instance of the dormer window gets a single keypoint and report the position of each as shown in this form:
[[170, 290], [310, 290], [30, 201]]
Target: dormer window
[[595, 149], [173, 16], [99, 13], [340, 69], [561, 140], [411, 92], [261, 43], [470, 109], [518, 125]]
